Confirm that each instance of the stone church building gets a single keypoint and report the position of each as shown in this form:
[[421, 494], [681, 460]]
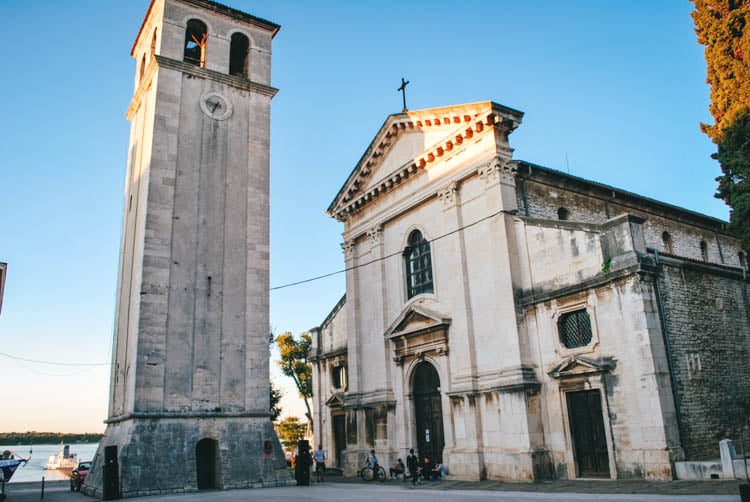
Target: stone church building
[[519, 323]]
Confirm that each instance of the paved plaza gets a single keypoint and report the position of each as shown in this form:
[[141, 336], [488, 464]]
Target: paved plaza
[[353, 490]]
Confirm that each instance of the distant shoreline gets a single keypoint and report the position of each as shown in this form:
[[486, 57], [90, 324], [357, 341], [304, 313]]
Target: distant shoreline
[[24, 438]]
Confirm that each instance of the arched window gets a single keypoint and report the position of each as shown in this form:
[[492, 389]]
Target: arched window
[[418, 265], [239, 62], [704, 251], [196, 34], [667, 241], [743, 260], [562, 214]]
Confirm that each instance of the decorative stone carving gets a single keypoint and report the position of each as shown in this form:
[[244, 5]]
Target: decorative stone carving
[[449, 195], [498, 169], [350, 249], [375, 235]]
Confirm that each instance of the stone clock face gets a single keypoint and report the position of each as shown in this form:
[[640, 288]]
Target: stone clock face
[[216, 106]]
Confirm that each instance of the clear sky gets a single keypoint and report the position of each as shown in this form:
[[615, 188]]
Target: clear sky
[[613, 92]]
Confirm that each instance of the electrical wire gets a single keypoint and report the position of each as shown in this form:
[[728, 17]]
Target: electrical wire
[[397, 253], [18, 358]]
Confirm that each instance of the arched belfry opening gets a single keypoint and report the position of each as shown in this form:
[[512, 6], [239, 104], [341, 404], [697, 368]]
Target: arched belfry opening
[[428, 412], [196, 35], [205, 464], [239, 56]]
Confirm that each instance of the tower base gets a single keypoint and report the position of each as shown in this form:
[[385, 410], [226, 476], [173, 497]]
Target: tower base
[[158, 455]]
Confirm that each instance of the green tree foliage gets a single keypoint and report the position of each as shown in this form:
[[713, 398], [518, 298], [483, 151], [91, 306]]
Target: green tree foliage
[[289, 431], [33, 437], [294, 364], [275, 400], [722, 27], [734, 184]]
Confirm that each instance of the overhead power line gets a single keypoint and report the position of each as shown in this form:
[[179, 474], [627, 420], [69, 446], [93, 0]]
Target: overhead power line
[[397, 253]]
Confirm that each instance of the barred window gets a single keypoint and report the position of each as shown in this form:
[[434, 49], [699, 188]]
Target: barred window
[[418, 265], [575, 329]]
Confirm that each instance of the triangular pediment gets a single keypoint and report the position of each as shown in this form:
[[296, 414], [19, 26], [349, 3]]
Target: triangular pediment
[[336, 400], [416, 318], [411, 141], [579, 366]]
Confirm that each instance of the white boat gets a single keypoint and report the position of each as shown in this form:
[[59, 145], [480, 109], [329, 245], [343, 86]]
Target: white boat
[[63, 461]]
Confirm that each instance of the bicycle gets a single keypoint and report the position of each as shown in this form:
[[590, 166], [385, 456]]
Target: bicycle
[[368, 474]]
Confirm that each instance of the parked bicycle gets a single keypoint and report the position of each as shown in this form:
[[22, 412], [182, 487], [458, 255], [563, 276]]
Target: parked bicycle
[[369, 474]]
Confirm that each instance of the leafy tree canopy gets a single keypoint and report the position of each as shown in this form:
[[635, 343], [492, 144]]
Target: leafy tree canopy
[[294, 353], [722, 27], [289, 431], [275, 400]]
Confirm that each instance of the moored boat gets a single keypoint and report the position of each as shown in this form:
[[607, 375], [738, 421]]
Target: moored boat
[[63, 461]]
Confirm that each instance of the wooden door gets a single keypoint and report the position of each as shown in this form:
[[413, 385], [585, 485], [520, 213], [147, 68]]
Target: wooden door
[[428, 413], [587, 432], [339, 437]]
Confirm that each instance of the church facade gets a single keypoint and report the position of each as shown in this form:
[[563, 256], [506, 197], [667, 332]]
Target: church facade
[[515, 322]]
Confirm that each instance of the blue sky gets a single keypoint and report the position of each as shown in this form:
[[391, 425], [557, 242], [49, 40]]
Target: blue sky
[[612, 91]]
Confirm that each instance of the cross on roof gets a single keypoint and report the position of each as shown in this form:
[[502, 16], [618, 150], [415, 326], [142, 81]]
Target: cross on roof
[[404, 83]]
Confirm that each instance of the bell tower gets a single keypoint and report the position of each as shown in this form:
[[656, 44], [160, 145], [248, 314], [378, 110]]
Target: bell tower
[[189, 392]]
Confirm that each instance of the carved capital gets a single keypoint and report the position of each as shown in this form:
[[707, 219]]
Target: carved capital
[[375, 235], [449, 195], [499, 168], [350, 249]]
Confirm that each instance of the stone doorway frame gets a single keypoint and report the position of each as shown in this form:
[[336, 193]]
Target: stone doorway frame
[[577, 374]]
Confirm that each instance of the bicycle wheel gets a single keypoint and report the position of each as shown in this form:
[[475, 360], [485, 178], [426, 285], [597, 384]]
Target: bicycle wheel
[[381, 474], [367, 473]]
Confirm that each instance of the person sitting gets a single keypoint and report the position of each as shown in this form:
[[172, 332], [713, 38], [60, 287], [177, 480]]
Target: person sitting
[[438, 471], [398, 469]]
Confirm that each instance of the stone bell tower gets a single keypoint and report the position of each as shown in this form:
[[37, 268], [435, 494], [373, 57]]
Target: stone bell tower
[[189, 396]]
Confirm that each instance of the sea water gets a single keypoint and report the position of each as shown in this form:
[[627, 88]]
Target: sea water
[[34, 470]]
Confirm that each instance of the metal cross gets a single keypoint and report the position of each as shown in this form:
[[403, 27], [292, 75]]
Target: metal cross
[[404, 83]]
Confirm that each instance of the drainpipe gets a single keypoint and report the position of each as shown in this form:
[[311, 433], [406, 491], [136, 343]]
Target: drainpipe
[[667, 348]]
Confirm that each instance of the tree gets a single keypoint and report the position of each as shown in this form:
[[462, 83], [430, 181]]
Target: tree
[[289, 431], [275, 399], [722, 27], [294, 364]]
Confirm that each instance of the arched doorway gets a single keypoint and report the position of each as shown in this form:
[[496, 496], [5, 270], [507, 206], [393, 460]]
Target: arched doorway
[[205, 463], [428, 412]]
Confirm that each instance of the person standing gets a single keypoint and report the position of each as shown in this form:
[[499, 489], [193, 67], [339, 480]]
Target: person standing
[[412, 464], [320, 463]]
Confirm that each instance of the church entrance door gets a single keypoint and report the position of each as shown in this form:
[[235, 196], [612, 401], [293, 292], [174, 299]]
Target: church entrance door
[[339, 436], [587, 432], [205, 462], [428, 412]]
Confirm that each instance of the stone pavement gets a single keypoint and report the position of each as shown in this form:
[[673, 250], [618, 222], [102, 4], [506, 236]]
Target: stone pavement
[[575, 486], [354, 489]]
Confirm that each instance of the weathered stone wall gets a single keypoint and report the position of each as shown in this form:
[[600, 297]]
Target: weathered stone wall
[[542, 200], [708, 326], [158, 456]]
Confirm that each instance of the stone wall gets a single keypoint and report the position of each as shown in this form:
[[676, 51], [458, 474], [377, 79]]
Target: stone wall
[[708, 327]]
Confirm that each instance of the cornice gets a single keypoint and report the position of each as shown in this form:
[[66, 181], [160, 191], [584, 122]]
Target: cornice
[[189, 69]]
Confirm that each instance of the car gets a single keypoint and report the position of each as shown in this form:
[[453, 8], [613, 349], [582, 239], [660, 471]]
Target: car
[[78, 476]]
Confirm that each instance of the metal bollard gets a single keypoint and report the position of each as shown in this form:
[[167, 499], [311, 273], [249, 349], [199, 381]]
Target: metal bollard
[[42, 497]]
